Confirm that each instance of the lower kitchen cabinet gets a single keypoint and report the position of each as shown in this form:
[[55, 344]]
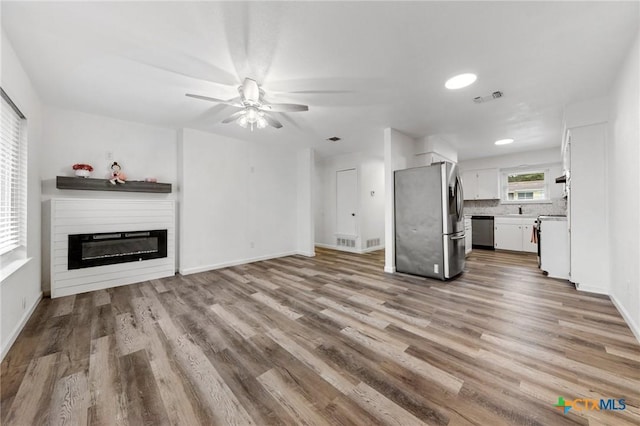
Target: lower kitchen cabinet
[[514, 233]]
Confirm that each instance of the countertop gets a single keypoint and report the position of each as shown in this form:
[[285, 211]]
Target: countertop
[[524, 216]]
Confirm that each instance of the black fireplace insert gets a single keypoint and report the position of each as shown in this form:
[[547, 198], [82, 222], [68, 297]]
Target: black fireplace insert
[[87, 250]]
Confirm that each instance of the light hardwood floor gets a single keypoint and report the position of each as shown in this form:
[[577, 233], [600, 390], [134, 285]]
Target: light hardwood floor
[[325, 340]]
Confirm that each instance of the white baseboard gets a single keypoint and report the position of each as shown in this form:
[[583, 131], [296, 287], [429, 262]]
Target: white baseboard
[[635, 328], [16, 331], [390, 269], [332, 247], [204, 268], [349, 250], [307, 253], [596, 290]]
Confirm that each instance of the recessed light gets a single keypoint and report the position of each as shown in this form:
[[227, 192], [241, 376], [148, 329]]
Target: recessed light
[[460, 81], [504, 142]]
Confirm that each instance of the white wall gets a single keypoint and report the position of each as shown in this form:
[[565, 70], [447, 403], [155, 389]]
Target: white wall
[[550, 158], [624, 189], [76, 137], [372, 205], [305, 210], [399, 153], [370, 214], [238, 201], [435, 144], [20, 292]]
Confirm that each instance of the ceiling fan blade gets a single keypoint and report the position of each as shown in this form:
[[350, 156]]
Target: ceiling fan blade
[[233, 117], [285, 107], [207, 98], [272, 121]]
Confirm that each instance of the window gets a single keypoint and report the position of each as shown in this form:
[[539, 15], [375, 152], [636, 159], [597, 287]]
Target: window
[[13, 181], [525, 186]]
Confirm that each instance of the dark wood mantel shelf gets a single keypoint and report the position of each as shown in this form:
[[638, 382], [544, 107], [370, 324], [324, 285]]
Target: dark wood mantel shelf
[[89, 184]]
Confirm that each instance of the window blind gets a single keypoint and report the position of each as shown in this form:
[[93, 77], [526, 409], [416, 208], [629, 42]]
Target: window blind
[[13, 177]]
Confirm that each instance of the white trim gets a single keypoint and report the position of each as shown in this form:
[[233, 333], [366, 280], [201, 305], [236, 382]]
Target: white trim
[[596, 290], [390, 269], [526, 168], [18, 328], [8, 269], [350, 250], [204, 268], [635, 328], [338, 248]]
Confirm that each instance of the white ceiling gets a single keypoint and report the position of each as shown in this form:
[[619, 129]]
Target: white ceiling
[[383, 64]]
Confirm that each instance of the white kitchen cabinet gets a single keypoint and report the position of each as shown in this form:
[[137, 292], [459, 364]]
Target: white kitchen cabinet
[[481, 184], [467, 235], [514, 233], [508, 236], [529, 244]]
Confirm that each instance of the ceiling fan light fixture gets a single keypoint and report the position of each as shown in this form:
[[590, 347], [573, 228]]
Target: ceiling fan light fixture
[[461, 80], [252, 118], [261, 123], [503, 141], [242, 121], [252, 114]]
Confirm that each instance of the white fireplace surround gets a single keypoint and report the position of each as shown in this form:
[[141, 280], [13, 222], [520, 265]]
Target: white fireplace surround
[[62, 217]]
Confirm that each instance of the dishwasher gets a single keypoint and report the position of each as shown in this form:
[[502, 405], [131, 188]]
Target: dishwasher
[[482, 232]]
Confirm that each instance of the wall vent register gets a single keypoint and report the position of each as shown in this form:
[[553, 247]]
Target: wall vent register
[[373, 242], [346, 242], [88, 250]]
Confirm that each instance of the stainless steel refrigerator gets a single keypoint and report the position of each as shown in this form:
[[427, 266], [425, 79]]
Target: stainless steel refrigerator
[[429, 221]]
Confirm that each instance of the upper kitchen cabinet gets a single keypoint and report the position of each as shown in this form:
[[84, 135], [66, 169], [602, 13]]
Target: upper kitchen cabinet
[[481, 184]]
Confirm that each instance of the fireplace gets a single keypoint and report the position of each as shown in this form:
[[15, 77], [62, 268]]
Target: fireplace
[[87, 250]]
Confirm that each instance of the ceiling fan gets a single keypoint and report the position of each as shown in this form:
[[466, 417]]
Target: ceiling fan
[[255, 111]]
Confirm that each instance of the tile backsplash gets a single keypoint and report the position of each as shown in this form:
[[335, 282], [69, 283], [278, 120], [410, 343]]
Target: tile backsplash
[[558, 206]]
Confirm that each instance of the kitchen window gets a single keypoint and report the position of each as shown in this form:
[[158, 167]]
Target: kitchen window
[[525, 186], [13, 183]]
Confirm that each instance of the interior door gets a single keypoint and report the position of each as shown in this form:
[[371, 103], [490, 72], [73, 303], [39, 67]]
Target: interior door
[[346, 202]]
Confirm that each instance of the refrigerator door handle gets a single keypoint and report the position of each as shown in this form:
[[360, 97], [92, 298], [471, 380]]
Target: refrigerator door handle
[[459, 198], [458, 238]]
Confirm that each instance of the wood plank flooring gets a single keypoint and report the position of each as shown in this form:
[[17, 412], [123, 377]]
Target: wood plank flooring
[[324, 341]]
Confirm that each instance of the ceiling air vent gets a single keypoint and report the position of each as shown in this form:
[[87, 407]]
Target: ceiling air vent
[[495, 95], [333, 139]]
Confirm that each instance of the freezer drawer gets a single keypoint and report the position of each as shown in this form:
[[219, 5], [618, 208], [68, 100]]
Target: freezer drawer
[[454, 246]]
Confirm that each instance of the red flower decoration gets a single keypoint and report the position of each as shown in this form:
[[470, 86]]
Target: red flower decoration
[[79, 166]]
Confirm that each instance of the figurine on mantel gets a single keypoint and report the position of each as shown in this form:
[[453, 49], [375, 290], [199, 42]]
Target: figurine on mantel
[[117, 175]]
